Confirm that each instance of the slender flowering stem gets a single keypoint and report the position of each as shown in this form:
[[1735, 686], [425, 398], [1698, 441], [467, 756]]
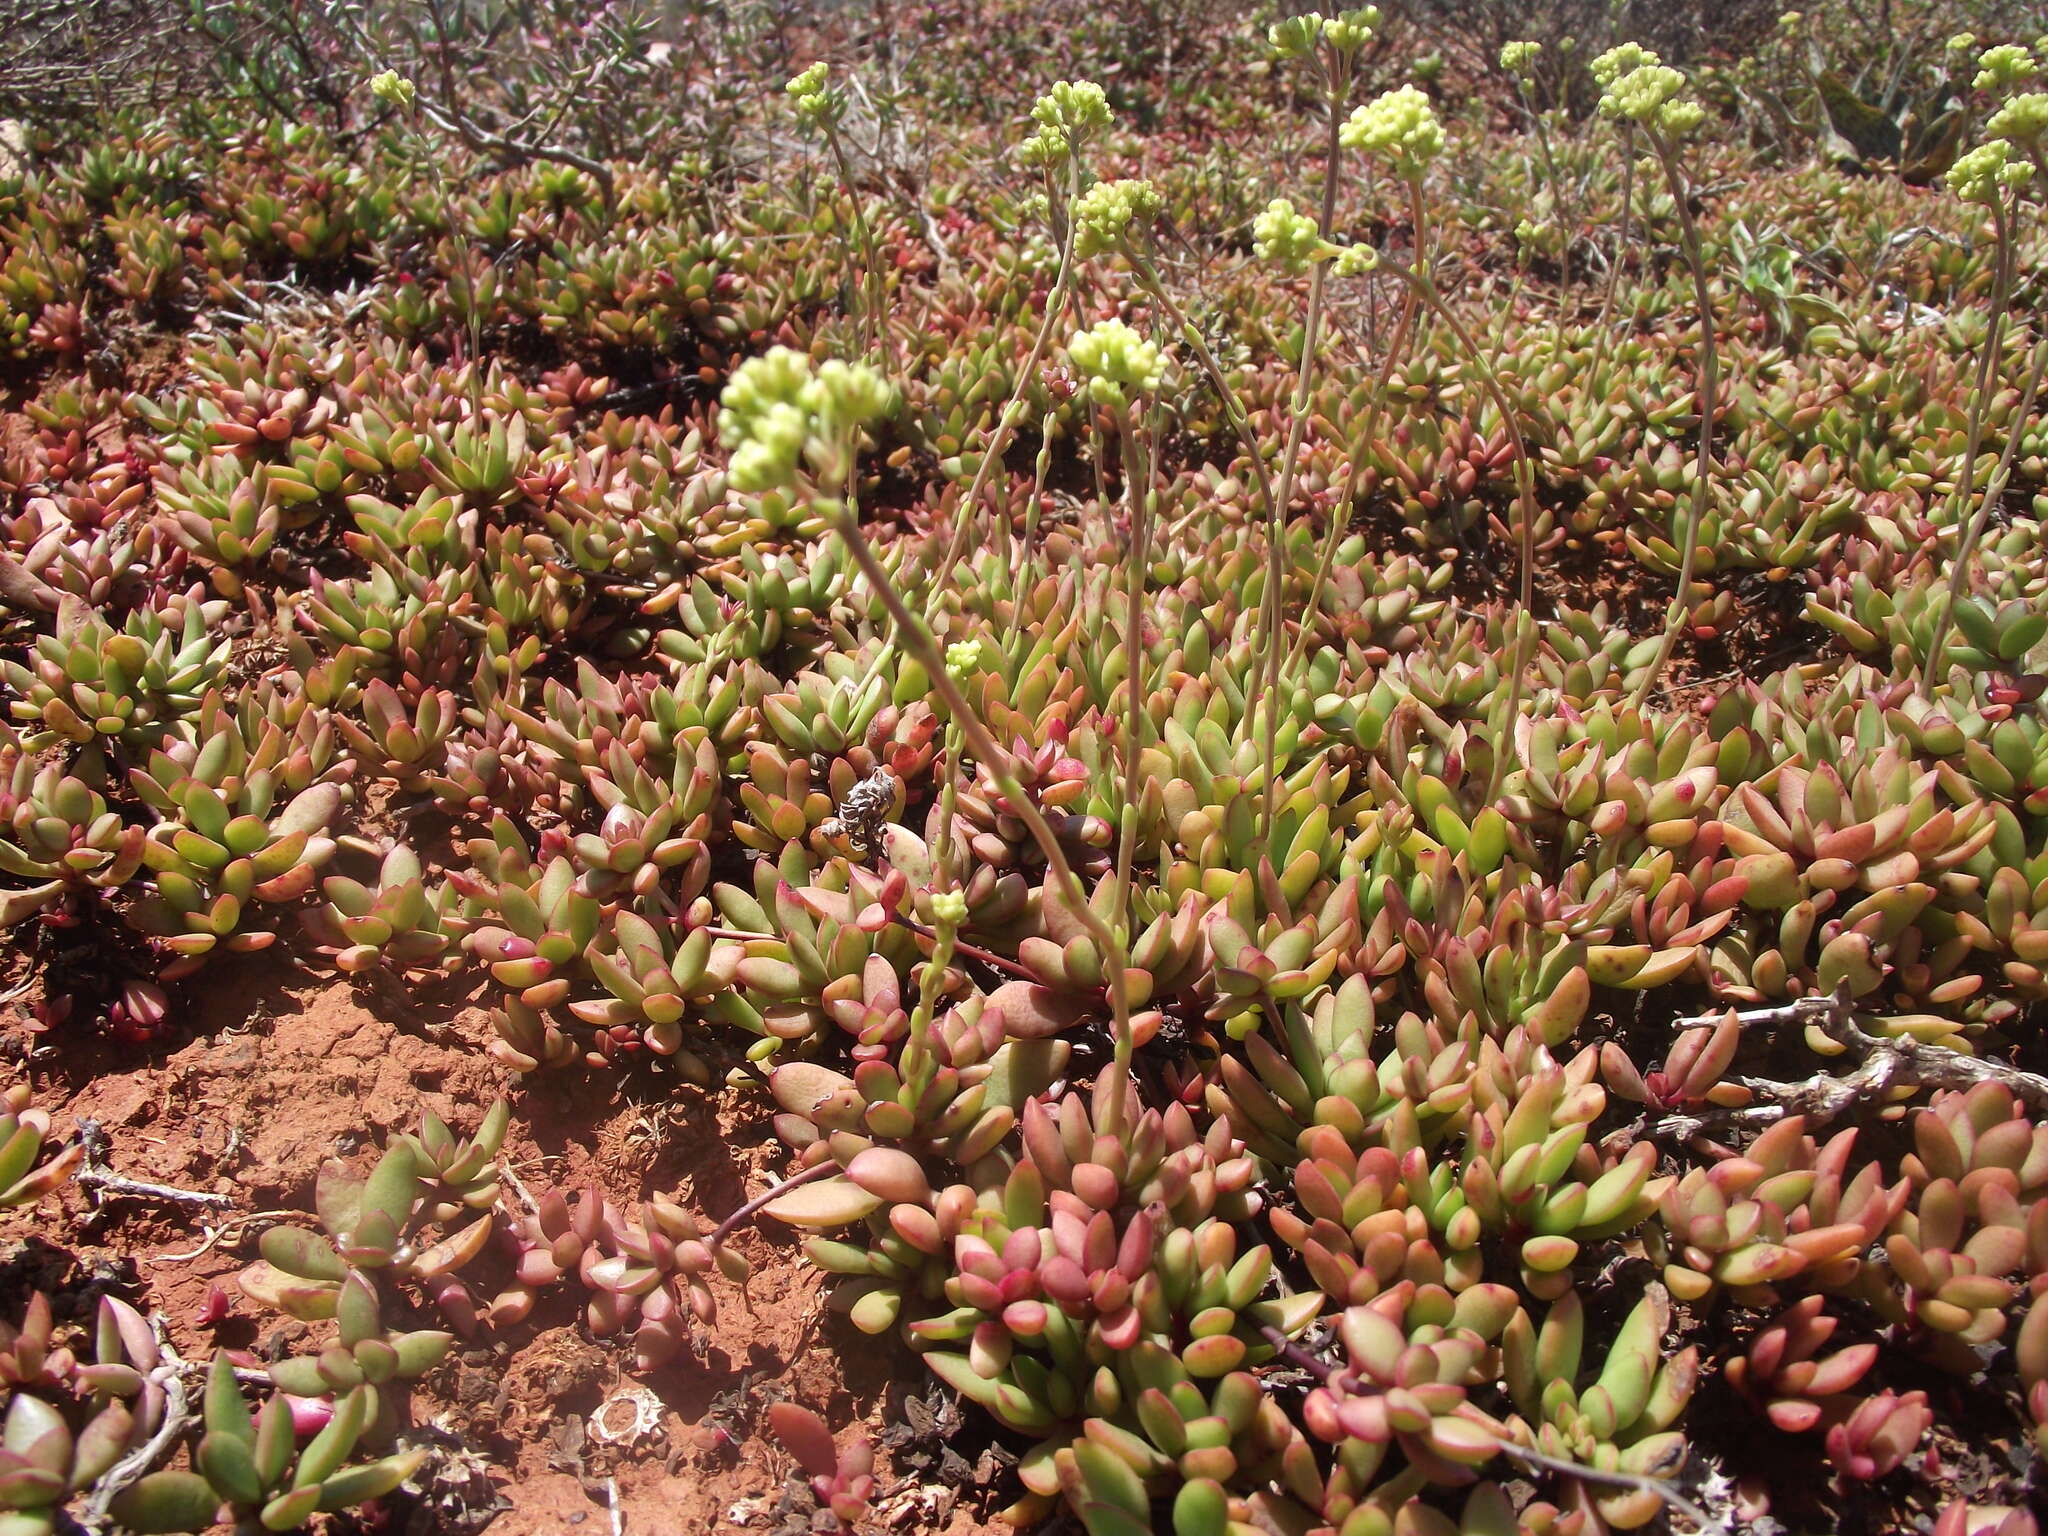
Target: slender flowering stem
[[875, 323], [1137, 564], [1628, 184], [1022, 573], [2001, 473], [1980, 399], [917, 640], [1709, 385], [917, 1064], [1006, 424], [1340, 516], [1271, 642], [973, 951], [774, 1192], [1525, 482], [1542, 126], [949, 798], [1233, 408]]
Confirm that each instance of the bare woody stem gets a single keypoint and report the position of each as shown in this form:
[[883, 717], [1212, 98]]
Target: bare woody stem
[[1889, 1063], [1980, 400], [1709, 386], [1323, 1372], [132, 1468], [1665, 1491]]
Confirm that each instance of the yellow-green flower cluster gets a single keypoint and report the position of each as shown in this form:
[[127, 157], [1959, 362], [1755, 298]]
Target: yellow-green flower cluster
[[1297, 36], [963, 658], [1356, 260], [815, 101], [1622, 59], [1072, 112], [1399, 124], [949, 908], [1045, 147], [848, 396], [2003, 67], [1288, 239], [1981, 175], [1347, 32], [1649, 95], [2022, 120], [778, 405], [1075, 107], [1519, 58], [393, 88], [1117, 362], [1106, 211]]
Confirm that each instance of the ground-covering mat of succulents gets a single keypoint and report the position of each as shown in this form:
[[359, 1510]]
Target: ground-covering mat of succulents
[[1189, 770]]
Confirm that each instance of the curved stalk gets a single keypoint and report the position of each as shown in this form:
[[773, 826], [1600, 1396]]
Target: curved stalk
[[917, 641], [1564, 278], [1709, 385], [772, 1193], [1027, 556], [1628, 194], [875, 329], [1148, 279], [1525, 483], [1980, 399], [2001, 473], [1340, 517], [1271, 619], [1006, 424], [1138, 494]]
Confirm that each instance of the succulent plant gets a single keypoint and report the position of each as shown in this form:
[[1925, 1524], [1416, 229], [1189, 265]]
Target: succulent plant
[[43, 1463], [1286, 1024], [249, 1470], [842, 1481], [29, 1168], [135, 685], [62, 836], [404, 1221], [402, 923], [1781, 1374], [646, 1271], [1623, 1419]]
